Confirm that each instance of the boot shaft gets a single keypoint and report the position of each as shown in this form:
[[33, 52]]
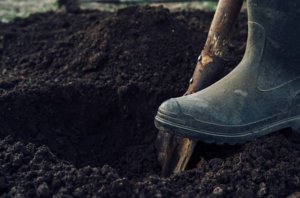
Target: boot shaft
[[281, 22]]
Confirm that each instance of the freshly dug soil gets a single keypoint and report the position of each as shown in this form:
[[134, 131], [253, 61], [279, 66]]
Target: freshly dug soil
[[78, 94]]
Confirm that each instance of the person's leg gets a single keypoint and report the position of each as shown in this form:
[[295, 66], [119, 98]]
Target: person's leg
[[259, 96]]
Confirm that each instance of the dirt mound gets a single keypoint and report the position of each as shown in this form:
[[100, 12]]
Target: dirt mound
[[87, 86]]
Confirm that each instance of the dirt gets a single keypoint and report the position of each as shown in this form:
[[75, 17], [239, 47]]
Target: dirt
[[78, 94]]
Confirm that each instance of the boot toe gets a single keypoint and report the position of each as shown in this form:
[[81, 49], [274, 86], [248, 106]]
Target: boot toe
[[170, 107]]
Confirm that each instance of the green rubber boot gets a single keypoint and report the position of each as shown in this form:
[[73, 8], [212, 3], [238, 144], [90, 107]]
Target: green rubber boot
[[261, 95]]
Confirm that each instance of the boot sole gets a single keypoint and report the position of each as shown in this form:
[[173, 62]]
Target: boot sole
[[166, 123]]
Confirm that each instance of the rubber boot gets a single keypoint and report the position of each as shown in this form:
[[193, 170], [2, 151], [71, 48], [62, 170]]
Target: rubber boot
[[261, 95]]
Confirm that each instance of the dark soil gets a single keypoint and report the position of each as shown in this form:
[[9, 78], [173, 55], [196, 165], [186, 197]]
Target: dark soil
[[78, 93]]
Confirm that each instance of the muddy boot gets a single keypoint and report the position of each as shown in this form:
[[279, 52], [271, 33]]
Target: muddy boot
[[261, 95]]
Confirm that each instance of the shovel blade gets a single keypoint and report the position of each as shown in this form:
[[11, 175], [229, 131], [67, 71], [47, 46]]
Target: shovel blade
[[174, 152]]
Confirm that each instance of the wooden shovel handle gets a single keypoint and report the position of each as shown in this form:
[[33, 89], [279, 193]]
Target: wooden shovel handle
[[210, 64]]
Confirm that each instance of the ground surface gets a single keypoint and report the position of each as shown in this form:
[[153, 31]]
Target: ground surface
[[10, 9], [78, 93]]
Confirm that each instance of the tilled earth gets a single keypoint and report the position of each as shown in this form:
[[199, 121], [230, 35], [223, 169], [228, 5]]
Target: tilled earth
[[78, 93]]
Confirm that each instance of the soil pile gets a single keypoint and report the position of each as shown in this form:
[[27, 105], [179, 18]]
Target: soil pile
[[78, 93]]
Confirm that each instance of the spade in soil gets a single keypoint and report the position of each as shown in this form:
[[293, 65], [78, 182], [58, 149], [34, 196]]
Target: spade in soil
[[176, 153]]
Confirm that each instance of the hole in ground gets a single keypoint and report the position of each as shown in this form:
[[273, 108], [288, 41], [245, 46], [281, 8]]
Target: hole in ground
[[87, 125]]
